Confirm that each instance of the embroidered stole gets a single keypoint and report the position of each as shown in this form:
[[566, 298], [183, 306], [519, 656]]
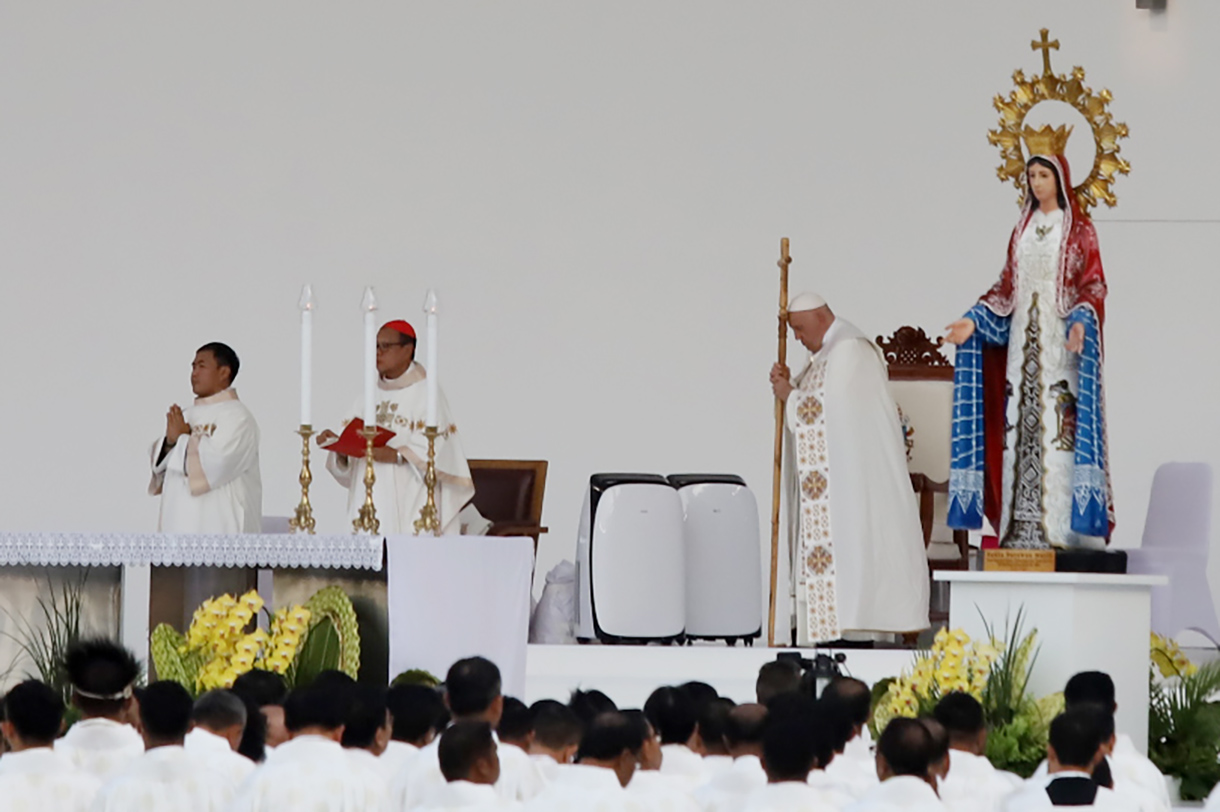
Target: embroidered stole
[[814, 562]]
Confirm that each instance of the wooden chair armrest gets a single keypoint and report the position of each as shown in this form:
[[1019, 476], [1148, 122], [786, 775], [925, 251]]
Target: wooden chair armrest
[[515, 529]]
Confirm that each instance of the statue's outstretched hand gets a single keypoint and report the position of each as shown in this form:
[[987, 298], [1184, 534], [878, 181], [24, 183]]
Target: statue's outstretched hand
[[960, 331], [1075, 342]]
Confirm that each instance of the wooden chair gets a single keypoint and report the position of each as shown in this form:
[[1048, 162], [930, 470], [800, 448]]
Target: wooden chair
[[921, 381], [509, 494]]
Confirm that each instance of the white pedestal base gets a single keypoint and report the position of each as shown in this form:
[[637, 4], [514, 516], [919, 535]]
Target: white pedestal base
[[1085, 622]]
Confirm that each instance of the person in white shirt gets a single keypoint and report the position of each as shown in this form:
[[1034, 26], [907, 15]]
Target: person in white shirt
[[417, 715], [794, 743], [516, 724], [709, 736], [777, 677], [311, 770], [366, 731], [854, 768], [164, 778], [605, 764], [655, 789], [33, 777], [1074, 751], [472, 694], [743, 733], [904, 756], [973, 783], [938, 765], [557, 732], [103, 676], [218, 722], [1134, 773], [468, 759], [264, 692], [673, 715]]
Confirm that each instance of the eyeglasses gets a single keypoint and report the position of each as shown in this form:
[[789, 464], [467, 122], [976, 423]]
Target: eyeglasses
[[387, 347]]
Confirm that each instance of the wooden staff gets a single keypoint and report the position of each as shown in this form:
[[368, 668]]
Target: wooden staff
[[777, 480]]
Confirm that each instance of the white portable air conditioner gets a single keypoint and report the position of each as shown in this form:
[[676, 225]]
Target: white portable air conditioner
[[723, 559], [630, 561]]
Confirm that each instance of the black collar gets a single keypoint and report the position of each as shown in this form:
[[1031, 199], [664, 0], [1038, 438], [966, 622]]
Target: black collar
[[1073, 791]]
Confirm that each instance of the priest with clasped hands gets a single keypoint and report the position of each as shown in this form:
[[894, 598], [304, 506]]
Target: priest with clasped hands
[[205, 468], [399, 466]]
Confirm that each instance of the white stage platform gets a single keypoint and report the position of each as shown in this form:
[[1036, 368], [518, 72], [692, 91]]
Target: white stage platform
[[628, 674]]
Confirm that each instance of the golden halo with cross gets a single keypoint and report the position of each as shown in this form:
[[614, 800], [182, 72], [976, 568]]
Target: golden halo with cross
[[1072, 90]]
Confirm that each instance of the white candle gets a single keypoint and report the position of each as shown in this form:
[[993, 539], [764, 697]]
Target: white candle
[[369, 306], [306, 305], [433, 386]]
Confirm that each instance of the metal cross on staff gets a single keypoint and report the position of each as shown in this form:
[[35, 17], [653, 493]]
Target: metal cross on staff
[[1045, 47]]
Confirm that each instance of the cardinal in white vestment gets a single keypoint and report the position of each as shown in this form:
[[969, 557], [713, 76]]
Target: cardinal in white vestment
[[205, 468], [857, 559], [402, 401], [33, 777]]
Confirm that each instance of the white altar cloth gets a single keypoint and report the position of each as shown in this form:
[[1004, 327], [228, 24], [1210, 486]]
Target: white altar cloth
[[193, 550], [136, 553], [458, 596]]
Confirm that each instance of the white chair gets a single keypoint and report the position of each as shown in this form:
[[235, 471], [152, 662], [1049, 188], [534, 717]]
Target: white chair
[[1177, 538]]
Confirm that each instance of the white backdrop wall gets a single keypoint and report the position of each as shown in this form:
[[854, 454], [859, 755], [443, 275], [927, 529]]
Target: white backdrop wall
[[597, 192]]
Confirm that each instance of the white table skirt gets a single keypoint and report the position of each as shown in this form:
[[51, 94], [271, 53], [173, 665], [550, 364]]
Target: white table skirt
[[183, 550], [460, 596]]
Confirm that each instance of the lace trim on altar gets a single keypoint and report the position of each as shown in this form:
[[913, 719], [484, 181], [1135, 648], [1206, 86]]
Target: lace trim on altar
[[174, 550]]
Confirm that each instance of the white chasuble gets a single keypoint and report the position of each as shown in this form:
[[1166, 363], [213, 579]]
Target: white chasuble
[[399, 492], [41, 780], [857, 562], [209, 482]]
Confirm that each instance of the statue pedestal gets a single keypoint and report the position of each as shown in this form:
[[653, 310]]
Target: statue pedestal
[[1085, 622]]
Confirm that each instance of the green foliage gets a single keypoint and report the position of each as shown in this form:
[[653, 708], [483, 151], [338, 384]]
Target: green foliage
[[1004, 699], [46, 645], [1019, 745], [172, 660], [417, 676], [1184, 730], [319, 652], [333, 639]]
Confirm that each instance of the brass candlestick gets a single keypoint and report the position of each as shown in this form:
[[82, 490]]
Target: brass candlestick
[[429, 520], [366, 520], [303, 521]]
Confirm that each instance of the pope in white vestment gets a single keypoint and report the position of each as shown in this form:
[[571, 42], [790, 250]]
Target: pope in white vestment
[[205, 468], [402, 400], [40, 780], [857, 560]]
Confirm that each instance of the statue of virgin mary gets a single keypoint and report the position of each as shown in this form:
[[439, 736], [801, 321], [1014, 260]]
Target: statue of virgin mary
[[1029, 426]]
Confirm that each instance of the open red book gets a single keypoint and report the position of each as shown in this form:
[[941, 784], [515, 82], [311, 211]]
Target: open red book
[[352, 443]]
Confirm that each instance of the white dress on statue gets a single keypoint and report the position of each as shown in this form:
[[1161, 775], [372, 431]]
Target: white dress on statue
[[41, 780], [209, 482], [857, 560]]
